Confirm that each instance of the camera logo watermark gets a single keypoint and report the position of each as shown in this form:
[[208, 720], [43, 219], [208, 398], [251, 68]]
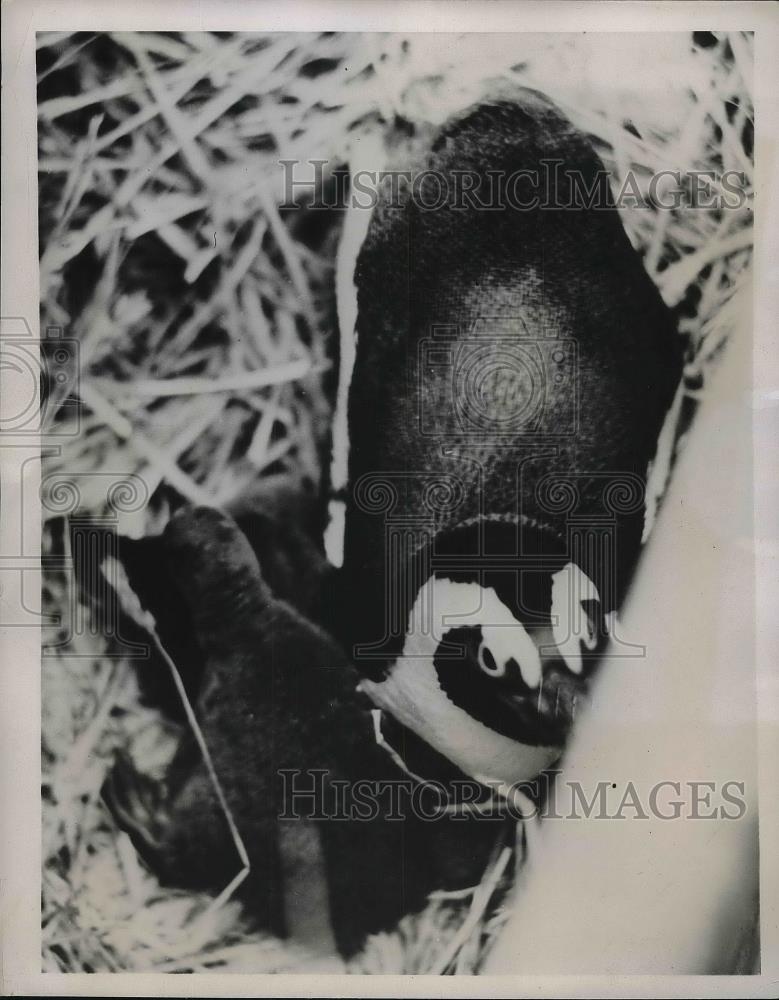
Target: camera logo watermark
[[40, 377], [496, 379]]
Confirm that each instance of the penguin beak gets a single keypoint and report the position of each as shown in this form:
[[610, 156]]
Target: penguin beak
[[542, 715], [545, 714]]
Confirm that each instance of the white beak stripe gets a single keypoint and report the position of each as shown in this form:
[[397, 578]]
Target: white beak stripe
[[571, 625]]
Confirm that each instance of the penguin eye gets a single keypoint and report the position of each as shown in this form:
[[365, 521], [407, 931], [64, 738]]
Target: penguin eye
[[488, 664], [444, 605]]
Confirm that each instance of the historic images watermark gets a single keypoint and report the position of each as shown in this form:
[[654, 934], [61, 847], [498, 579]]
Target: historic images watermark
[[553, 186], [313, 794]]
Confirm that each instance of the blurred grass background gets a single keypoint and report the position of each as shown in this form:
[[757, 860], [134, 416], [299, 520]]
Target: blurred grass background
[[207, 333]]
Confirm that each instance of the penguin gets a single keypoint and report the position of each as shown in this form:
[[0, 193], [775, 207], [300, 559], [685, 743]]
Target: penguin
[[513, 371], [510, 371]]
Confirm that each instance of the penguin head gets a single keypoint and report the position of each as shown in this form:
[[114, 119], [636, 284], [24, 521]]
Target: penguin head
[[502, 634]]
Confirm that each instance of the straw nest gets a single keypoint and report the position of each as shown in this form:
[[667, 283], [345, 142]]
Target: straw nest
[[205, 322]]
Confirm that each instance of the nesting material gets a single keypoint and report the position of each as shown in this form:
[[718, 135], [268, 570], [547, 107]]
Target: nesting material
[[206, 323]]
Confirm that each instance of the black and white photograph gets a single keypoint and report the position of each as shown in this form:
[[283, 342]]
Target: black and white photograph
[[388, 502]]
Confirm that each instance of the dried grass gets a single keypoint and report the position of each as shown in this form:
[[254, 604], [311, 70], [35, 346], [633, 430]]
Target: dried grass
[[205, 326]]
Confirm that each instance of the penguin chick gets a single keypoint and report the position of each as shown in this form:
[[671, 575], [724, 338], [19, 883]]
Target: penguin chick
[[288, 736]]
